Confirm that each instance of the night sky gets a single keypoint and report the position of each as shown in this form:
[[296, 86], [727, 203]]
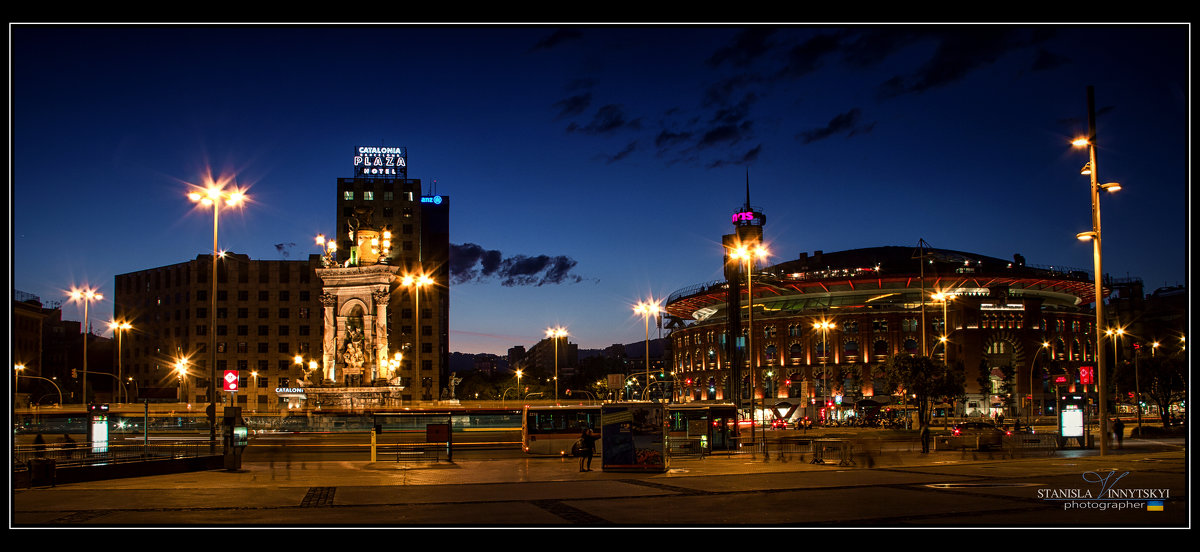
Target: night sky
[[619, 153]]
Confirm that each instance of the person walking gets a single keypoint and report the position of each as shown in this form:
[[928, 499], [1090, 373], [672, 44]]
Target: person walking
[[587, 444]]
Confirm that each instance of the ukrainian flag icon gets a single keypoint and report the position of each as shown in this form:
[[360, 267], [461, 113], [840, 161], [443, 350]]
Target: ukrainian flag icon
[[1154, 505]]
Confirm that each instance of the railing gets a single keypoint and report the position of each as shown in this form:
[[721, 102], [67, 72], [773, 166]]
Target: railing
[[91, 454]]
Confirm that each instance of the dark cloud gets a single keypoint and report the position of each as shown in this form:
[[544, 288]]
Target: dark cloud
[[609, 118], [959, 52], [667, 138], [747, 46], [629, 149], [1047, 60], [745, 159], [848, 123], [804, 58], [472, 263], [556, 38], [284, 249], [574, 105]]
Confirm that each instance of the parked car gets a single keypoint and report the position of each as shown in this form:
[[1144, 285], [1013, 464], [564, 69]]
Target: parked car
[[778, 423], [986, 434]]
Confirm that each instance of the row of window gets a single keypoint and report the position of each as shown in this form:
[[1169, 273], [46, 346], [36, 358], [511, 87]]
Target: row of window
[[369, 195]]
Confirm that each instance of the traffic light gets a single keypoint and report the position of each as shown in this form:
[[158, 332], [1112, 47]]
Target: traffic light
[[73, 375]]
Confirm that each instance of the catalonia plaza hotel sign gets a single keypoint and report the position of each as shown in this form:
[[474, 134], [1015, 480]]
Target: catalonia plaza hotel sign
[[380, 161]]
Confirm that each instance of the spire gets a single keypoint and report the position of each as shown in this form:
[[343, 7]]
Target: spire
[[747, 188]]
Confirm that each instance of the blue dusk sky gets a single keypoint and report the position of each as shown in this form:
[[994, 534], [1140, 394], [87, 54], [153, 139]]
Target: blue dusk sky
[[617, 154]]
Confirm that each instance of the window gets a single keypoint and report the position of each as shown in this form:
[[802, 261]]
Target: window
[[263, 295], [262, 330], [222, 312], [285, 349], [387, 196], [368, 196], [243, 295], [283, 329], [284, 296], [243, 329], [262, 348], [263, 312], [348, 195], [243, 312], [283, 313]]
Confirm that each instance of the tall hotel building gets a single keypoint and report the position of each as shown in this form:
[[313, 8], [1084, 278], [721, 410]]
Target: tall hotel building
[[352, 327]]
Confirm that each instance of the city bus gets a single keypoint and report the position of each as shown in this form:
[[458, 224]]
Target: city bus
[[712, 424], [551, 430]]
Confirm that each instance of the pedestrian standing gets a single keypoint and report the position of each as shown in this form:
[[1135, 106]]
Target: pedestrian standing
[[587, 444], [924, 438], [1119, 430], [39, 446]]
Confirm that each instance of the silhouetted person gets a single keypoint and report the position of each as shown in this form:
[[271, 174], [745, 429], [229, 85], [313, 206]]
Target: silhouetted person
[[587, 441], [1119, 430], [924, 438], [39, 446]]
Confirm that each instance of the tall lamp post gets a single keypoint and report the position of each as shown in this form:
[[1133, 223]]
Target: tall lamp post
[[648, 308], [211, 195], [555, 333], [416, 282], [85, 296], [750, 255], [119, 327], [824, 326], [1095, 235], [1029, 416]]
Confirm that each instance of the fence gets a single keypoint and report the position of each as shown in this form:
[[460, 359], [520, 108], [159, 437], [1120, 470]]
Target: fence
[[86, 454]]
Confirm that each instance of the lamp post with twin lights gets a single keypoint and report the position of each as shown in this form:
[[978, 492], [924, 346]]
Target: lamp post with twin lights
[[85, 296], [1090, 169], [212, 195], [824, 325], [120, 327], [416, 282], [649, 307], [555, 334]]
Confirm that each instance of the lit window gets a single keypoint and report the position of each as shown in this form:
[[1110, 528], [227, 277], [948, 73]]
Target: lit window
[[368, 196], [348, 195]]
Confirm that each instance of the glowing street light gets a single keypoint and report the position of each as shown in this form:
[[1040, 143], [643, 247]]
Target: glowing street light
[[1095, 235], [553, 333], [85, 296], [119, 327], [750, 254], [181, 372], [824, 325], [648, 308], [416, 282], [330, 249], [212, 195]]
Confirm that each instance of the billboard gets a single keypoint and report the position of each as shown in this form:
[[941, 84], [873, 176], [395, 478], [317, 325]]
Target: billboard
[[381, 161], [634, 437]]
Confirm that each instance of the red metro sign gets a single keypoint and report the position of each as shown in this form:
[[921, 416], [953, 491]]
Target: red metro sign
[[231, 380]]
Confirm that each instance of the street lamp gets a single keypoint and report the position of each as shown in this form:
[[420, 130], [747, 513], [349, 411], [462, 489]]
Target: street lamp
[[1091, 171], [555, 333], [1029, 417], [750, 254], [330, 248], [416, 282], [85, 296], [181, 373], [17, 373], [119, 328], [824, 325], [648, 308], [211, 195]]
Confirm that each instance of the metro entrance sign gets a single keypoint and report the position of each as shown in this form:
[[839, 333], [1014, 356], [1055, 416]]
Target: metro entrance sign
[[231, 380]]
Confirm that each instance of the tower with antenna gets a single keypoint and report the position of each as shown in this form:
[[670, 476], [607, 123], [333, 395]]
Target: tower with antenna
[[748, 233]]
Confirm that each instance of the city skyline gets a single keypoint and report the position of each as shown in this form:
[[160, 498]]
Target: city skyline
[[590, 167]]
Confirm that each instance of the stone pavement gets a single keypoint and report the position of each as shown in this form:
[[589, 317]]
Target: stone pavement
[[888, 488]]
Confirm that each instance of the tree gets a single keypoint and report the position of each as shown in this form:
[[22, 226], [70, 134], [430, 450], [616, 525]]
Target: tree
[[927, 379], [1164, 379]]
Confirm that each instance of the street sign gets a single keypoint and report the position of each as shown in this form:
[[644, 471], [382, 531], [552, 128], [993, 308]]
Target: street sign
[[231, 380]]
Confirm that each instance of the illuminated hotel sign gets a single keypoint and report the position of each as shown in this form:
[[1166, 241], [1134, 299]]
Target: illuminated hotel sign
[[380, 161]]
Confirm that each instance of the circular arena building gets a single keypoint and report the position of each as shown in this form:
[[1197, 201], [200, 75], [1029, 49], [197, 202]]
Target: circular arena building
[[822, 328]]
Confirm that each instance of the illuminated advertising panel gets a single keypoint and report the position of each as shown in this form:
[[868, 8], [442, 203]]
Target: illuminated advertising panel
[[380, 161], [1085, 375], [633, 437], [1072, 423]]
